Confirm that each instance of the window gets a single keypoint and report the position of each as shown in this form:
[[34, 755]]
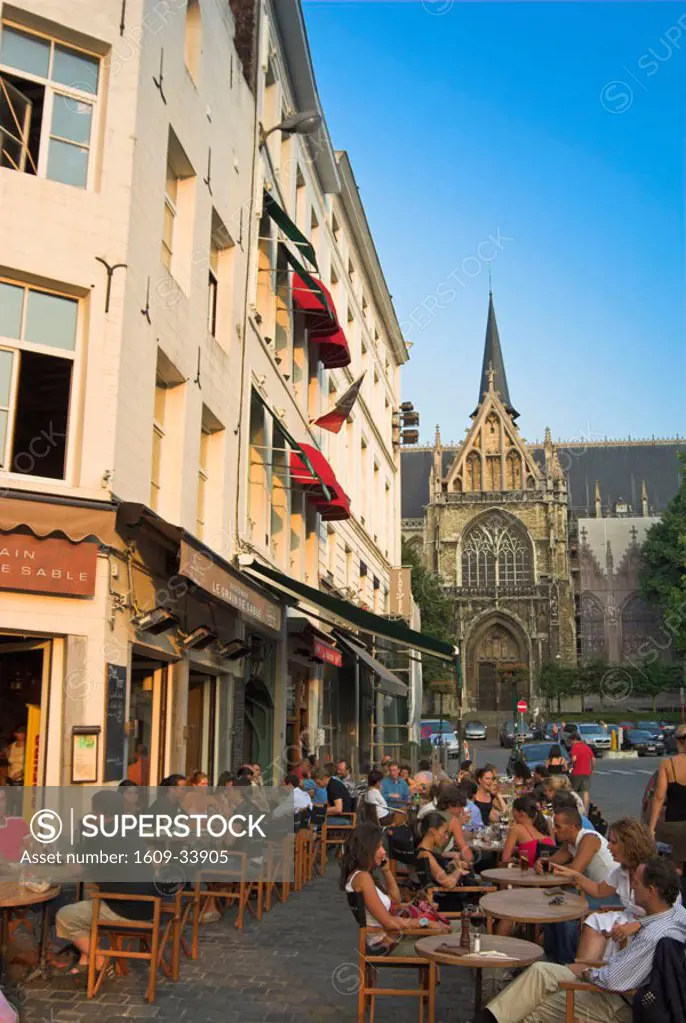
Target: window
[[171, 191], [158, 433], [259, 472], [348, 567], [496, 553], [178, 223], [48, 93], [314, 232], [203, 472], [364, 484], [38, 331], [335, 227], [331, 551], [220, 281], [193, 40], [280, 507]]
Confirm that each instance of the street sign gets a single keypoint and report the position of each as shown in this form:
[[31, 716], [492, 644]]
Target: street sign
[[426, 731], [521, 706]]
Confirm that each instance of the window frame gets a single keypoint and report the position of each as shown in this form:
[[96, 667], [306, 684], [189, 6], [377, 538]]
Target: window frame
[[159, 431], [18, 345], [53, 88]]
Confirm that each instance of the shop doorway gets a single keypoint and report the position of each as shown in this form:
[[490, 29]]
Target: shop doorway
[[24, 683], [297, 716], [201, 724], [147, 740], [259, 726]]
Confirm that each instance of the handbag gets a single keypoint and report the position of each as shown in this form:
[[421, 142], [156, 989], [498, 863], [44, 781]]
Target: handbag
[[417, 909]]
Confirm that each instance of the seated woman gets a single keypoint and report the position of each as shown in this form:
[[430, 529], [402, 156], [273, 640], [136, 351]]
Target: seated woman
[[362, 856], [528, 829], [451, 804], [374, 800], [522, 777], [434, 832], [556, 763], [631, 845], [559, 793]]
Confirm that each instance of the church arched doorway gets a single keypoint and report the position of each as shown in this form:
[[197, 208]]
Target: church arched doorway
[[494, 650]]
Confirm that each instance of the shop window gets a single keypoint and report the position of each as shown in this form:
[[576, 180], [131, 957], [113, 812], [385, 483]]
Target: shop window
[[38, 334], [193, 40], [48, 100]]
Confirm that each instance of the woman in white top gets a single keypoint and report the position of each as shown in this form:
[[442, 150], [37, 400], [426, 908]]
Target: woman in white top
[[374, 798], [630, 845], [363, 854]]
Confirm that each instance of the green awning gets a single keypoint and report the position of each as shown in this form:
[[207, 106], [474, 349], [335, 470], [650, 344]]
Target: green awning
[[350, 616], [386, 681], [291, 230]]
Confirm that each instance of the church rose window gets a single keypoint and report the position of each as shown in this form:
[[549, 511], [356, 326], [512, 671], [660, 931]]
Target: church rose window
[[496, 553]]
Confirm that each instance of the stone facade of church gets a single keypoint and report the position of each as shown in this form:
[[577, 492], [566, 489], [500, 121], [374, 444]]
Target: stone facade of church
[[536, 573]]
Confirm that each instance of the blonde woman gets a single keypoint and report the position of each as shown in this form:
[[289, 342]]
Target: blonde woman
[[561, 783], [631, 845]]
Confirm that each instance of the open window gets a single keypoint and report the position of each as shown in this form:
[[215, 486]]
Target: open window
[[38, 333], [48, 100]]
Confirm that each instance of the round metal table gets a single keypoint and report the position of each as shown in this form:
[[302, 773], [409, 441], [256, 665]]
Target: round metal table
[[518, 878], [532, 906], [519, 953]]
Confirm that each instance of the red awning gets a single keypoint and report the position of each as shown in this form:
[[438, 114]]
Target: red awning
[[307, 298], [337, 505], [302, 475], [336, 509], [323, 326], [333, 349]]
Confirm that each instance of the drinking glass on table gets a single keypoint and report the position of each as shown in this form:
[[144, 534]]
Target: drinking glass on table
[[545, 860], [524, 859]]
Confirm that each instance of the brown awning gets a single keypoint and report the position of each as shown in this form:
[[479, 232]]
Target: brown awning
[[75, 522]]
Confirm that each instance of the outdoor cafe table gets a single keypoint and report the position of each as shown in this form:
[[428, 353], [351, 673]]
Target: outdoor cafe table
[[531, 906], [518, 878], [519, 954], [16, 896]]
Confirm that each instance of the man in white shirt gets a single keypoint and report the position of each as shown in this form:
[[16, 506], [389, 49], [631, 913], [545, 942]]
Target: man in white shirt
[[301, 799], [535, 996]]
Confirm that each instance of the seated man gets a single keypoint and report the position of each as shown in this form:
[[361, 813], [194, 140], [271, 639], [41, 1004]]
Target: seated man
[[535, 996], [395, 791], [588, 853], [73, 922], [339, 798]]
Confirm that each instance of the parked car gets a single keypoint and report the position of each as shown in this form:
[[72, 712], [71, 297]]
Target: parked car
[[533, 754], [643, 743], [597, 737], [507, 734], [440, 733], [475, 730], [655, 728]]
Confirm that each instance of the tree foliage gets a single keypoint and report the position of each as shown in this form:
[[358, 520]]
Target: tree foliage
[[437, 611], [663, 571]]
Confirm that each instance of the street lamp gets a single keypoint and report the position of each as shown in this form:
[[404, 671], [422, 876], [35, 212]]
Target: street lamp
[[307, 122]]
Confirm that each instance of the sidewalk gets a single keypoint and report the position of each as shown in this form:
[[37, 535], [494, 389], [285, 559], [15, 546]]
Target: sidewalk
[[297, 964]]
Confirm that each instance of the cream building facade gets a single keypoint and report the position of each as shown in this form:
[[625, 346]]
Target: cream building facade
[[150, 402]]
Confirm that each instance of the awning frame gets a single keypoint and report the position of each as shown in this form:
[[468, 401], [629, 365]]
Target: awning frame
[[386, 681], [348, 616]]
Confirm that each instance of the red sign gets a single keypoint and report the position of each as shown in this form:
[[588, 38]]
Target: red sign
[[521, 706], [328, 654], [426, 732], [47, 566]]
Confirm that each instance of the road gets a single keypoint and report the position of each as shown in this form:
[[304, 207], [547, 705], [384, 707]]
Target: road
[[617, 786]]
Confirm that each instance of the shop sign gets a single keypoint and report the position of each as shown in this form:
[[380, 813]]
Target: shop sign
[[225, 586], [327, 654], [401, 593], [47, 566]]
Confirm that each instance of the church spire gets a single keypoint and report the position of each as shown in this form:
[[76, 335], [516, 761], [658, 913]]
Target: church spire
[[493, 360]]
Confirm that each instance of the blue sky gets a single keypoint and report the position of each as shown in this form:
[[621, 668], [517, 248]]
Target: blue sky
[[556, 131]]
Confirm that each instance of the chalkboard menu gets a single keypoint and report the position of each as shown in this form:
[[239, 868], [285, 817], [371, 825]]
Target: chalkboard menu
[[115, 726]]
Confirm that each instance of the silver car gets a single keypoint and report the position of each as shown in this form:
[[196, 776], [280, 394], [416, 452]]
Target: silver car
[[475, 730]]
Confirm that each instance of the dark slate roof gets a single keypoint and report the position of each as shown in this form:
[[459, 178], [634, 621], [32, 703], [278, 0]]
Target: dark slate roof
[[619, 468], [493, 357]]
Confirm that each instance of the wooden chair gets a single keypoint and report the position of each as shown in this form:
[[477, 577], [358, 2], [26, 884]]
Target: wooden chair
[[229, 886], [370, 965], [280, 857], [335, 835], [570, 987], [150, 936], [301, 830], [317, 822]]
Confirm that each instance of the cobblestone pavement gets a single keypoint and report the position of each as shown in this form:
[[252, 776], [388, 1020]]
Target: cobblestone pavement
[[297, 964]]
